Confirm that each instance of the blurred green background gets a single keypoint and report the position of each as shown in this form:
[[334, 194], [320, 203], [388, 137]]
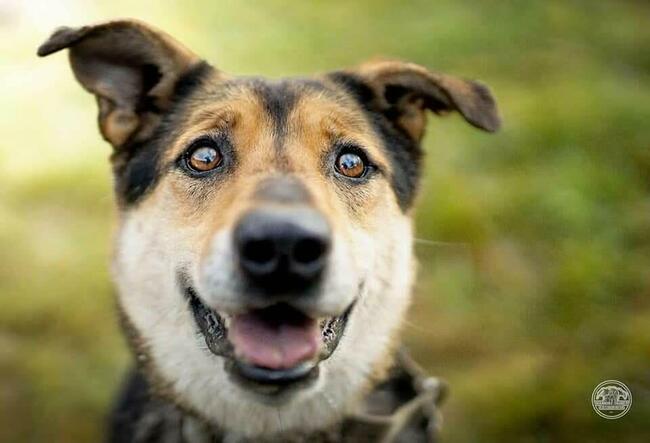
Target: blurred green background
[[534, 287]]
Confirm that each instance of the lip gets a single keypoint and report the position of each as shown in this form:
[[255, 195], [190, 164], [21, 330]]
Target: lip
[[212, 326]]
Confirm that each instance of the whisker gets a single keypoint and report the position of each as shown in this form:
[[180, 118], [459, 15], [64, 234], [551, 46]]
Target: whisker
[[426, 242], [329, 401], [411, 325], [280, 421]]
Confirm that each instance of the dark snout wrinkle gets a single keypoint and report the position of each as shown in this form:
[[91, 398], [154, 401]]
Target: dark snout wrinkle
[[282, 251]]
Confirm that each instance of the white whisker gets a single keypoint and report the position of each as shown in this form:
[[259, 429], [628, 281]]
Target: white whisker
[[424, 241], [329, 401], [280, 422]]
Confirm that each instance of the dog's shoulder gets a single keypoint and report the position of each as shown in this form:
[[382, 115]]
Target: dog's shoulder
[[129, 408], [141, 416]]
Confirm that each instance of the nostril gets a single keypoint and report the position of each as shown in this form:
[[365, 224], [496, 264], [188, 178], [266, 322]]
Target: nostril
[[308, 250], [258, 252]]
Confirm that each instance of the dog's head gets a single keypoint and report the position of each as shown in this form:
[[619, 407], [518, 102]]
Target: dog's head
[[264, 254]]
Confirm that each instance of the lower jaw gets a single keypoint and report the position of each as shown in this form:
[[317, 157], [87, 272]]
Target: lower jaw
[[270, 385]]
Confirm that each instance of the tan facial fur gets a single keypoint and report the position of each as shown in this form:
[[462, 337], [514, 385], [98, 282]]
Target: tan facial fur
[[182, 224]]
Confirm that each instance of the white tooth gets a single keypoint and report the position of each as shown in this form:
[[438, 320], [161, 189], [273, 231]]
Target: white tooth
[[227, 319]]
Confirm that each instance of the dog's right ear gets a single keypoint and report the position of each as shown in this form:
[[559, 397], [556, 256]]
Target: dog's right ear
[[130, 67]]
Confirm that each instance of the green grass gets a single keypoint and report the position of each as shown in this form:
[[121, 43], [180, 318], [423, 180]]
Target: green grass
[[542, 291]]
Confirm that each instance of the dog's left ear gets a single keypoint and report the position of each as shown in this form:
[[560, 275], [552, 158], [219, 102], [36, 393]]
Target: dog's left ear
[[404, 91], [131, 68]]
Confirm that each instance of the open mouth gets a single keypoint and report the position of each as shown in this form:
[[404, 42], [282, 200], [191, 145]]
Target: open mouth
[[268, 350]]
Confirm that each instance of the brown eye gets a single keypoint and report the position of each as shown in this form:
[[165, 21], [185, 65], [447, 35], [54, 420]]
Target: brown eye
[[203, 159], [351, 165]]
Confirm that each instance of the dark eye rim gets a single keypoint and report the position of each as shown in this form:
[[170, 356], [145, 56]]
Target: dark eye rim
[[348, 148], [217, 143]]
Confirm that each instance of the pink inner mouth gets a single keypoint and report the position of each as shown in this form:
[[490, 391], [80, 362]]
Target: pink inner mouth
[[278, 337]]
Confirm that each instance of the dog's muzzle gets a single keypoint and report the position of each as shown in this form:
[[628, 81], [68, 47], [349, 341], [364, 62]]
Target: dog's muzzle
[[272, 344]]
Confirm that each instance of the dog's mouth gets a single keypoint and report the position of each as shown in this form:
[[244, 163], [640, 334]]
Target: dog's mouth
[[272, 349]]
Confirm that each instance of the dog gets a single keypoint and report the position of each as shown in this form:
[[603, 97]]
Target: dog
[[264, 255]]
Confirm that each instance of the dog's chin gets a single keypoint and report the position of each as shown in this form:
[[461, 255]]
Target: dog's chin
[[272, 352]]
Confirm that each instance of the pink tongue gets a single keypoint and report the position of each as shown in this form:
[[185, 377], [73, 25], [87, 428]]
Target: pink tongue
[[274, 345]]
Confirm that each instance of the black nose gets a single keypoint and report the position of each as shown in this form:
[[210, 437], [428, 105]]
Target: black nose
[[282, 250]]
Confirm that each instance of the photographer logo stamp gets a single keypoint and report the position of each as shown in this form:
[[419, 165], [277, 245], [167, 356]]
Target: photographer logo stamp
[[611, 399]]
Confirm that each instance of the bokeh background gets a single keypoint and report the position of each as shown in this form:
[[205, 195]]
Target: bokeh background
[[535, 254]]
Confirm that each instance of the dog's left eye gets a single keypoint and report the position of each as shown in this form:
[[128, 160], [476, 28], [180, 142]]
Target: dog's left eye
[[203, 158]]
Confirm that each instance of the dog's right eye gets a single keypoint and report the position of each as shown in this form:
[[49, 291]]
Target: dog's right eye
[[203, 158], [351, 165]]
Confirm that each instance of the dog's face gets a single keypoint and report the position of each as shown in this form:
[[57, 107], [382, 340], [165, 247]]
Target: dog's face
[[264, 254]]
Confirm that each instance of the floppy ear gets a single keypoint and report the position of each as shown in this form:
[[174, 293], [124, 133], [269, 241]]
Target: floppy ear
[[404, 91], [130, 67]]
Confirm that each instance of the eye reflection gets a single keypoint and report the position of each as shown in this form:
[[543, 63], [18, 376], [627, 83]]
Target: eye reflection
[[203, 158], [351, 165]]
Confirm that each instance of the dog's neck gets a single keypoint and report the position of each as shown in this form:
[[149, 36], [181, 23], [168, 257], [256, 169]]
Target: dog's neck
[[402, 408]]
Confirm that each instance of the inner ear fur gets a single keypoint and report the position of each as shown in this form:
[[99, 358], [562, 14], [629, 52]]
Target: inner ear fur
[[403, 91], [130, 67]]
